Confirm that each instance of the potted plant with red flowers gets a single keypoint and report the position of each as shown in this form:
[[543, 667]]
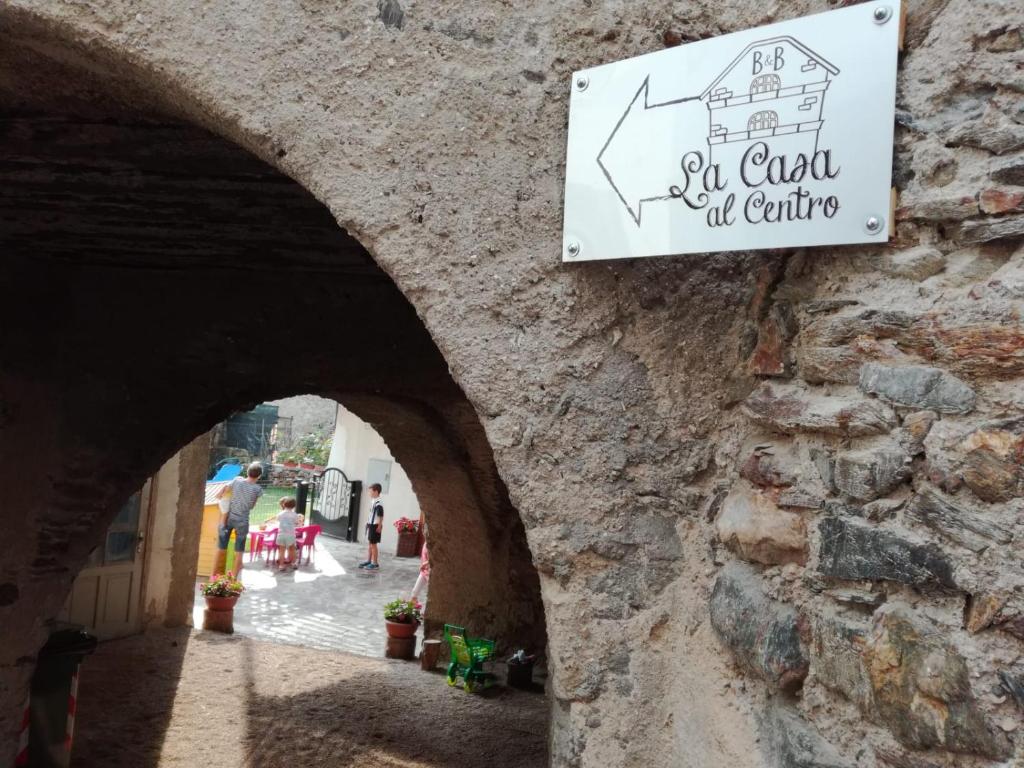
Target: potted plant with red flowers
[[402, 617], [408, 534], [221, 593]]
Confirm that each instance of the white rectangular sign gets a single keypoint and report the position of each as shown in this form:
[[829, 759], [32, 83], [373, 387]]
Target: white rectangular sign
[[774, 137]]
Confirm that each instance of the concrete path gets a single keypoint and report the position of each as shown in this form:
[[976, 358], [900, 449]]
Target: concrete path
[[328, 604]]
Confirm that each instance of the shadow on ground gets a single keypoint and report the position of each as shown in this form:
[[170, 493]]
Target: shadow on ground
[[377, 719], [170, 698], [126, 693]]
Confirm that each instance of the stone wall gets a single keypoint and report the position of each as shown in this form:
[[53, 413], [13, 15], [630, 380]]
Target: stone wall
[[773, 498], [869, 521], [194, 460], [286, 477], [172, 538], [880, 515], [308, 413]]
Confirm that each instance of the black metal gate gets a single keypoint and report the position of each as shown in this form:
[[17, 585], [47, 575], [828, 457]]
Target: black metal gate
[[334, 503]]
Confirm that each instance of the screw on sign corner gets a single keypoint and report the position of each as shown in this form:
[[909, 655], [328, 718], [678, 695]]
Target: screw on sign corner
[[881, 14], [874, 224], [582, 81], [572, 250]]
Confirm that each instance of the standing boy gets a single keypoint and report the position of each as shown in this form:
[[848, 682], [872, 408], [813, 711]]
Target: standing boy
[[374, 525], [244, 493]]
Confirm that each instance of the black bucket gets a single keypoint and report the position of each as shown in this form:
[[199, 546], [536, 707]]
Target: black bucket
[[520, 675]]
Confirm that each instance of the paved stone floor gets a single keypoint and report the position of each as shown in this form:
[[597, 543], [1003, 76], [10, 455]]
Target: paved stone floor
[[328, 604]]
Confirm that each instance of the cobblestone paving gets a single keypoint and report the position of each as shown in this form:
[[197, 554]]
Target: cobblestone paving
[[329, 603]]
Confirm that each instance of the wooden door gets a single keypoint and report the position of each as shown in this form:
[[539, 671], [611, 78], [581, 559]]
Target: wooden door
[[106, 598]]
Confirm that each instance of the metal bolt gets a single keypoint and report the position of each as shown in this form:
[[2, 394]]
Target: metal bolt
[[874, 224], [573, 249], [882, 14], [582, 82]]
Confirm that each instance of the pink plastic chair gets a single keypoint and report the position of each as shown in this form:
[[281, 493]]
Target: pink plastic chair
[[268, 541], [256, 544], [305, 539]]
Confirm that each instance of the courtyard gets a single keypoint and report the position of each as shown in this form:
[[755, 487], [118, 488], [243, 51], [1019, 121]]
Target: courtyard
[[328, 603]]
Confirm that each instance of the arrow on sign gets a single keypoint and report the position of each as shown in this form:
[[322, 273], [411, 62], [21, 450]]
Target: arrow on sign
[[642, 154]]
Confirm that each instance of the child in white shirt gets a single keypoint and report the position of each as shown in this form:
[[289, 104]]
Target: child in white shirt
[[287, 519]]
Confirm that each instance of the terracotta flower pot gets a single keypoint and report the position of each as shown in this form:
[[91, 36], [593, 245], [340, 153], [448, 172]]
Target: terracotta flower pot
[[306, 465], [401, 648], [406, 544], [221, 603], [397, 629], [291, 464]]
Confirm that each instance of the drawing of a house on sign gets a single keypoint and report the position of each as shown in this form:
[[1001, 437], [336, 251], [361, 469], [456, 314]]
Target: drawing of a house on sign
[[774, 91]]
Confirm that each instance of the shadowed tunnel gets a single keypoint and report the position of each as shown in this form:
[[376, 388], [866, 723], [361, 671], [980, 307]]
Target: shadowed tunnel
[[161, 278]]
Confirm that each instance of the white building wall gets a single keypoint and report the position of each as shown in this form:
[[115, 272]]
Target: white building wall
[[355, 444]]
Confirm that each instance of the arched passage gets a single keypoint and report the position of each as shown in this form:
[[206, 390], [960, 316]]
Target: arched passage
[[617, 395], [171, 278]]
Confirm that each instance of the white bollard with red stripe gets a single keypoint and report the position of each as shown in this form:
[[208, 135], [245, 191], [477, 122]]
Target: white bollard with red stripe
[[21, 758], [69, 731]]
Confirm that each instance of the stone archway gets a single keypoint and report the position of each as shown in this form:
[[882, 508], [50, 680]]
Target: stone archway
[[173, 278], [623, 400]]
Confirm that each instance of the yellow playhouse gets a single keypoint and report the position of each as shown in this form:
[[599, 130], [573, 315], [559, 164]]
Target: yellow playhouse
[[208, 532]]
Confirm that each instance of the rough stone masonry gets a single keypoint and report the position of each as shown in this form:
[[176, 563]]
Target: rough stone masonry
[[774, 498]]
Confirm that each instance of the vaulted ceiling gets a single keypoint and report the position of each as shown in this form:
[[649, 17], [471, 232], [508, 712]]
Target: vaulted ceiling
[[93, 171]]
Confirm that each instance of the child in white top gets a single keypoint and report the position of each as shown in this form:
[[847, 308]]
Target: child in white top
[[287, 519]]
